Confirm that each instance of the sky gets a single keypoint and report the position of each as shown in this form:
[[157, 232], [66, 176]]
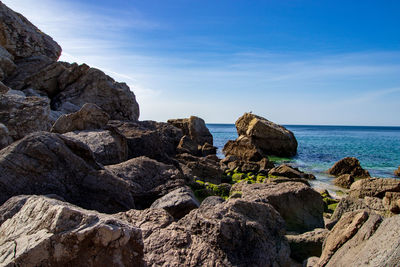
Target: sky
[[290, 61]]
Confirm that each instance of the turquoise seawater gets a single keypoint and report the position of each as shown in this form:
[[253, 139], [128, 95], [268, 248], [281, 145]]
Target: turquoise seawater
[[319, 147]]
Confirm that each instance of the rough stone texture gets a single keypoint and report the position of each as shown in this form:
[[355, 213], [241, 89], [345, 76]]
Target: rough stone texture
[[205, 168], [391, 202], [344, 180], [208, 149], [24, 115], [243, 149], [108, 147], [348, 166], [311, 262], [277, 180], [344, 230], [271, 138], [155, 140], [300, 206], [232, 233], [48, 163], [307, 244], [89, 117], [195, 128], [49, 232], [7, 65], [289, 172], [187, 145], [5, 138], [349, 204], [397, 172], [374, 187], [3, 88], [178, 203], [148, 179], [22, 39]]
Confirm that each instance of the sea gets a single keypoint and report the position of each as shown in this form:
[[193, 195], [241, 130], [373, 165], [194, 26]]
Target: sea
[[319, 147]]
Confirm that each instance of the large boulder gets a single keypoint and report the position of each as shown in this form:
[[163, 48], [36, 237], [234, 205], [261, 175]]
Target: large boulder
[[348, 166], [374, 187], [300, 206], [156, 140], [271, 138], [108, 146], [232, 233], [243, 149], [285, 170], [178, 203], [22, 39], [89, 117], [195, 128], [48, 232], [204, 168], [344, 180], [148, 179], [48, 163], [307, 244], [24, 115]]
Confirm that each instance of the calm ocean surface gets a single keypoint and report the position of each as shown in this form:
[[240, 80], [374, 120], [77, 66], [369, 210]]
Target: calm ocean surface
[[319, 147]]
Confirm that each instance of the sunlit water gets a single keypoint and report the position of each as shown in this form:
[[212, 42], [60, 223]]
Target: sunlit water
[[319, 147]]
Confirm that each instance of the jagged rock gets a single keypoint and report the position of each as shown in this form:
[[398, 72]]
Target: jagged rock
[[195, 128], [24, 115], [5, 138], [374, 187], [397, 172], [156, 140], [243, 149], [232, 233], [300, 206], [344, 180], [270, 138], [391, 202], [348, 166], [49, 232], [350, 204], [205, 168], [307, 244], [89, 117], [187, 145], [178, 203], [148, 179], [48, 163], [22, 39], [289, 172], [108, 147], [375, 243], [7, 65], [208, 149]]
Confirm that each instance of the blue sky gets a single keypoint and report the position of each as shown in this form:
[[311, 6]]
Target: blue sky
[[293, 62]]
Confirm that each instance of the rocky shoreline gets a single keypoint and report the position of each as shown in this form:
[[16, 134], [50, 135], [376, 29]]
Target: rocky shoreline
[[84, 182]]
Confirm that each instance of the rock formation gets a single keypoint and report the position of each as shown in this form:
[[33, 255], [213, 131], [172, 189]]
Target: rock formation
[[195, 128], [397, 172], [289, 172], [374, 187], [344, 180], [348, 166]]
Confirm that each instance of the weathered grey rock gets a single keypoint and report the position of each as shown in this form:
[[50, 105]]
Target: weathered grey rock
[[7, 65], [49, 232], [155, 140], [243, 149], [5, 138], [22, 39], [277, 180], [108, 147], [47, 163], [374, 187], [271, 138], [187, 145], [307, 244], [89, 117], [397, 172], [391, 202], [195, 128], [211, 201], [344, 180], [232, 233], [204, 168], [3, 88], [350, 204], [348, 166], [285, 170], [311, 262], [208, 149], [24, 115], [148, 179], [178, 203], [300, 206]]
